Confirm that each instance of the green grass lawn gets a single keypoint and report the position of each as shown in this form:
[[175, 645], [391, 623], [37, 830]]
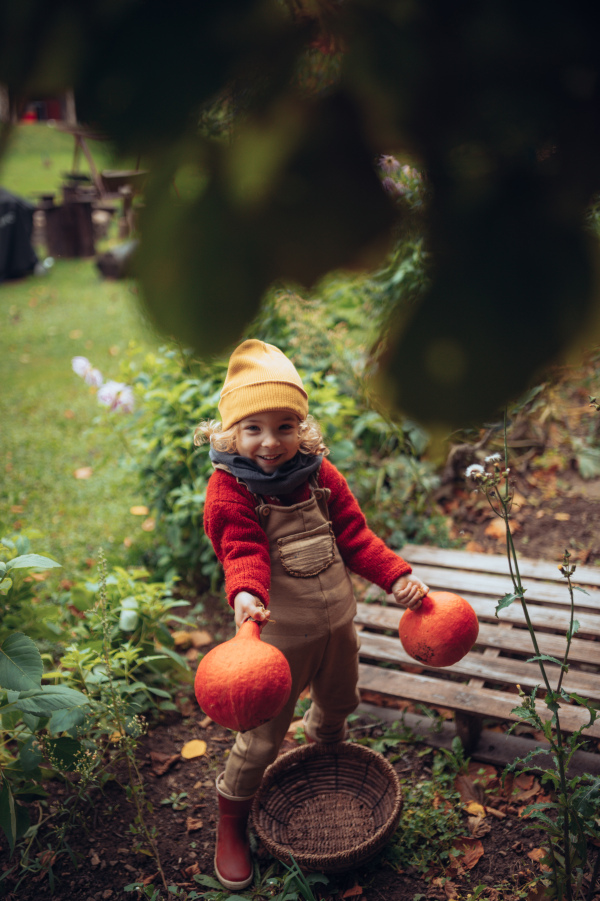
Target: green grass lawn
[[52, 423], [39, 155]]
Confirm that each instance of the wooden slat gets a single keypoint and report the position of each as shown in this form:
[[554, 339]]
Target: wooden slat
[[495, 563], [484, 702], [543, 618], [500, 669], [460, 581]]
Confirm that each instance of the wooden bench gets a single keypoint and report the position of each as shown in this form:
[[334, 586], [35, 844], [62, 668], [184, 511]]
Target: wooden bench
[[483, 684]]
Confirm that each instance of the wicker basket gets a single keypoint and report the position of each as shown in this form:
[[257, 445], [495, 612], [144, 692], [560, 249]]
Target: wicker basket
[[331, 807]]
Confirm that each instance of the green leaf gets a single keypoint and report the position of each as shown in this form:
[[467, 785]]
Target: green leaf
[[579, 588], [208, 881], [544, 657], [32, 561], [63, 752], [30, 754], [21, 665], [66, 719], [506, 601], [8, 819], [576, 627], [50, 698]]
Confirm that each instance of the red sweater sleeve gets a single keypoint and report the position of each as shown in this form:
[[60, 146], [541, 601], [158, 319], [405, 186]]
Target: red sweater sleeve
[[240, 543], [362, 551]]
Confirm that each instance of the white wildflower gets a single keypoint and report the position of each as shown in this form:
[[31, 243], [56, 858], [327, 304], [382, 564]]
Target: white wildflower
[[493, 458], [80, 365], [91, 376], [474, 470], [116, 396]]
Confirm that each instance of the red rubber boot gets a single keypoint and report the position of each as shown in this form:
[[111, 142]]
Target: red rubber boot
[[233, 864]]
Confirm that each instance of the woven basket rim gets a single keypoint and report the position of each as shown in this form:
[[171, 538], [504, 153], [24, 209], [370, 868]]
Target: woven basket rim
[[339, 860]]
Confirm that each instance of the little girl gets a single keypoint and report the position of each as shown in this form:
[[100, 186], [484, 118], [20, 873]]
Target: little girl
[[286, 527]]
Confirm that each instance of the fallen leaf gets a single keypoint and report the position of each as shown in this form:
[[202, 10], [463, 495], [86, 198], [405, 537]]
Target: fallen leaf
[[468, 789], [200, 638], [497, 528], [474, 547], [84, 472], [194, 748], [17, 508], [524, 780], [181, 639], [471, 851], [478, 826], [69, 414], [192, 870], [128, 541], [536, 854], [192, 655], [149, 525], [494, 812], [451, 890], [482, 773], [162, 762], [192, 824], [353, 892], [37, 577], [140, 510], [148, 880], [538, 893], [562, 517], [475, 809]]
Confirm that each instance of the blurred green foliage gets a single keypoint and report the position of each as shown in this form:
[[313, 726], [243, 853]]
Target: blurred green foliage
[[281, 108]]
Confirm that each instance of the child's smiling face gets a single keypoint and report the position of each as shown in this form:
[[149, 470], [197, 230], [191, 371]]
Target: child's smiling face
[[269, 439]]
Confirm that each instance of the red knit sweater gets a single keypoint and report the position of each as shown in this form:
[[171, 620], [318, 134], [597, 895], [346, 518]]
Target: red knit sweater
[[241, 544]]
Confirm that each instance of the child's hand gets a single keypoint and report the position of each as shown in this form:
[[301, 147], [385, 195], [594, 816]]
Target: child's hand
[[408, 591], [247, 606]]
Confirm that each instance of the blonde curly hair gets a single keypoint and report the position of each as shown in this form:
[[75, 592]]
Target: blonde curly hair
[[211, 432]]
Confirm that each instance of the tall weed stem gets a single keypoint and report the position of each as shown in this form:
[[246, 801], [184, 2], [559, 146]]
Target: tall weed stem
[[136, 785]]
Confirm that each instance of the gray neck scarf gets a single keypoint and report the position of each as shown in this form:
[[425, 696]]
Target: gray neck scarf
[[282, 481]]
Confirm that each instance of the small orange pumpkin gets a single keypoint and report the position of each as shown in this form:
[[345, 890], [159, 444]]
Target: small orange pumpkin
[[441, 631], [243, 682]]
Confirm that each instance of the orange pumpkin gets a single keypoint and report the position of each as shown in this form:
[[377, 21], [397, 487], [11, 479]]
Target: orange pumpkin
[[243, 682], [441, 631]]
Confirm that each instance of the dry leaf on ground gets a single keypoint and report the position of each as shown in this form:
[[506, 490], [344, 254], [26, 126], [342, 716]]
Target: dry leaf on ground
[[139, 510], [471, 851], [468, 789], [192, 824], [475, 809], [194, 748], [354, 892], [478, 826], [497, 528], [451, 890], [162, 762], [84, 472]]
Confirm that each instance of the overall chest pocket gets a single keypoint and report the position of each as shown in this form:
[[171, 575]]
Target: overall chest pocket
[[306, 554]]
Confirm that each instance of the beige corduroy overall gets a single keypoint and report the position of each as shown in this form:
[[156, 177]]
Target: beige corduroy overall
[[313, 606]]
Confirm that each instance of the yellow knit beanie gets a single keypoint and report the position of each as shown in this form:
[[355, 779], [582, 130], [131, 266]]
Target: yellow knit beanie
[[259, 378]]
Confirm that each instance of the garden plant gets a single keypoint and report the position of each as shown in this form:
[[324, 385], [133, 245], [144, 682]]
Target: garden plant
[[570, 820]]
